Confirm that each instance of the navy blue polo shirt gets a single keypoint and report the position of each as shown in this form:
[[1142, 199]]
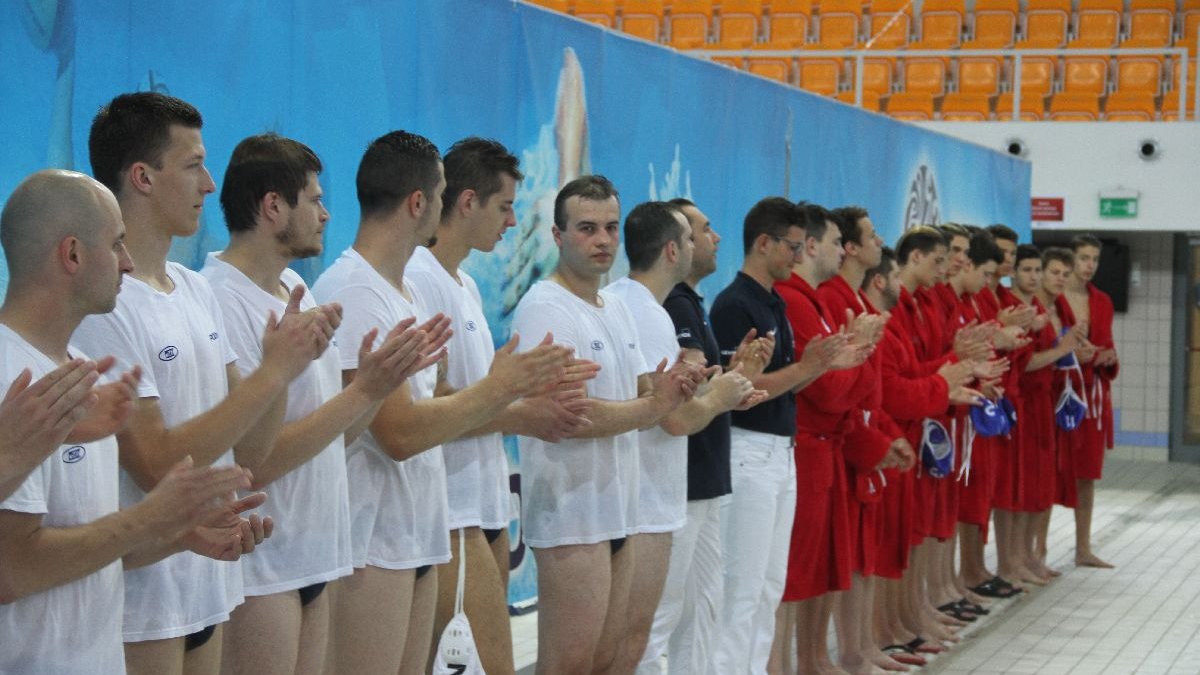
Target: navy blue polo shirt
[[745, 304], [708, 449]]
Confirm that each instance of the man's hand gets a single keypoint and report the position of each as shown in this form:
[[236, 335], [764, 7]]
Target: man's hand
[[672, 388], [1106, 357], [1086, 351], [965, 396], [865, 329], [823, 351], [1021, 317], [730, 389], [114, 405], [991, 369], [971, 343], [900, 455], [227, 536], [754, 353], [291, 342], [36, 418], [529, 372], [1010, 338], [957, 374], [189, 496], [382, 370]]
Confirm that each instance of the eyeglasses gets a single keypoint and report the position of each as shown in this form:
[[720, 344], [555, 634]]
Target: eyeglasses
[[794, 245]]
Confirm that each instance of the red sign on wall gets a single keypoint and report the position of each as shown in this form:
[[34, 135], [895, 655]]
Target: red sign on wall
[[1047, 208]]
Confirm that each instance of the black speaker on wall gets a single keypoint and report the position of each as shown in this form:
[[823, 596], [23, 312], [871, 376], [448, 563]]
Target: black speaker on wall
[[1112, 276]]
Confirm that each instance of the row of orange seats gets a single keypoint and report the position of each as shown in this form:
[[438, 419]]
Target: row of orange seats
[[890, 24], [1064, 106], [983, 75]]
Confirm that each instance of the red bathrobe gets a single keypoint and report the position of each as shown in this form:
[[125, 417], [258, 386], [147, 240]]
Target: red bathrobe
[[1038, 463], [827, 413]]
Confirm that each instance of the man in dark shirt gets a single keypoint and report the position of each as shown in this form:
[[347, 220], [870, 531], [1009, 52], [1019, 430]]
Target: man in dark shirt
[[686, 614], [756, 522]]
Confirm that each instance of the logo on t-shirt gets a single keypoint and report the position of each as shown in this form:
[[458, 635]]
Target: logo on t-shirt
[[168, 353], [74, 454], [597, 345], [213, 336], [470, 325], [684, 333], [632, 345]]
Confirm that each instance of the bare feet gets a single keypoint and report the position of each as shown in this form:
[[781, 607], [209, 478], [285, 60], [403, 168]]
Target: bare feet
[[1089, 559], [886, 662], [1028, 576]]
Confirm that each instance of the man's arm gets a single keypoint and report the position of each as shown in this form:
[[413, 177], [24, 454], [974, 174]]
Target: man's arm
[[36, 418], [34, 558]]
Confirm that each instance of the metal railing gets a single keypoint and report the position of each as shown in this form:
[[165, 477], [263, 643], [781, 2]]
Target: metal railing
[[1016, 55]]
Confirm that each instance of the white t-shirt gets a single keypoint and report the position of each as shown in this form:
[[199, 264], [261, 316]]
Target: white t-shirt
[[584, 490], [398, 510], [179, 340], [311, 502], [662, 485], [476, 467], [75, 628]]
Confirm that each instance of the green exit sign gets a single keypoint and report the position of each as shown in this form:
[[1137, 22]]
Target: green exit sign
[[1118, 207]]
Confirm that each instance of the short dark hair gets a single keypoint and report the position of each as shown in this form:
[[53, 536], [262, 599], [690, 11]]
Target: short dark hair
[[259, 165], [847, 218], [648, 227], [1081, 240], [816, 219], [1063, 255], [476, 164], [682, 201], [135, 128], [1025, 252], [982, 249], [592, 188], [887, 262], [772, 216], [923, 238], [1002, 231], [394, 166], [951, 230]]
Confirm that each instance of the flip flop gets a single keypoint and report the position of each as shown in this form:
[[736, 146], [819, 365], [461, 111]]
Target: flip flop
[[957, 611], [920, 645], [974, 608], [996, 588], [902, 654]]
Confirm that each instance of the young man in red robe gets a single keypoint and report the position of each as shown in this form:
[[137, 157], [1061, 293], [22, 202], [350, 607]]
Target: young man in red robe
[[827, 418], [1094, 308]]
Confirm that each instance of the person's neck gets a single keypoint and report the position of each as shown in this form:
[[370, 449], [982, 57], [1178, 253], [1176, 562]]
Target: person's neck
[[39, 316], [259, 260], [1045, 296], [586, 287], [852, 272], [956, 285], [1024, 297], [147, 243], [658, 281], [1075, 285], [756, 269], [908, 280], [806, 271], [387, 248], [877, 300], [693, 281], [451, 248]]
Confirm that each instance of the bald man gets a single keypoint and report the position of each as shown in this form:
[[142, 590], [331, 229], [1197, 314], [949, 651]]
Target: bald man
[[62, 537]]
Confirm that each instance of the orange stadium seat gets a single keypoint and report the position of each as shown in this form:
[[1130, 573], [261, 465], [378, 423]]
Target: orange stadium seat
[[642, 18], [1170, 107], [979, 75], [1085, 74], [1151, 23], [1046, 24], [737, 26], [1189, 20], [731, 61], [925, 74], [1037, 75], [960, 107], [1098, 23], [889, 24], [688, 23], [878, 74], [775, 68], [563, 6], [821, 76], [1033, 108], [839, 24], [787, 24], [1176, 71], [603, 12], [994, 24], [1075, 106], [1130, 106], [1140, 73], [870, 100], [910, 106], [941, 24]]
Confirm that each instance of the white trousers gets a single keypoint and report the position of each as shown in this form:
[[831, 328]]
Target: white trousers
[[756, 533], [687, 614]]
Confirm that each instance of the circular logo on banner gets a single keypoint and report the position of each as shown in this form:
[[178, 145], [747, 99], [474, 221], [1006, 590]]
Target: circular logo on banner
[[922, 207]]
